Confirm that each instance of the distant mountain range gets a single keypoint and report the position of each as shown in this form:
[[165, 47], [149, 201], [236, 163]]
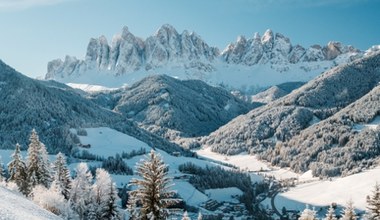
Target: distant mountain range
[[247, 64]]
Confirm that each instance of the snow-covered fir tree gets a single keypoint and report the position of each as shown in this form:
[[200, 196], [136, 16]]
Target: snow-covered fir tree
[[17, 171], [373, 204], [308, 214], [104, 196], [330, 215], [200, 216], [62, 175], [348, 212], [2, 178], [109, 209], [80, 193], [185, 216], [38, 167], [153, 194]]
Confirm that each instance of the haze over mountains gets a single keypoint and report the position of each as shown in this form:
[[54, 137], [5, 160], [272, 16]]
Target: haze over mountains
[[243, 65]]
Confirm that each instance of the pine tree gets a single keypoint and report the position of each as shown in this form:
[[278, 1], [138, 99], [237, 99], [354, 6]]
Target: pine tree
[[331, 214], [200, 216], [185, 216], [17, 171], [308, 214], [349, 212], [62, 175], [37, 163], [373, 202], [153, 195], [2, 178], [110, 210], [104, 196], [80, 193]]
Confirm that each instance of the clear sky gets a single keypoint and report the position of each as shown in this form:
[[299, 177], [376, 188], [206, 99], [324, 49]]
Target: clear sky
[[34, 32]]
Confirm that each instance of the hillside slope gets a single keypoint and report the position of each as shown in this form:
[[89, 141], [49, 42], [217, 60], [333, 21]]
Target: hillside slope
[[260, 129], [52, 108], [14, 206], [190, 107]]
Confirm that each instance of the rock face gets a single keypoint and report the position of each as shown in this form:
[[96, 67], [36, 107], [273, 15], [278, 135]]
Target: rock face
[[190, 54]]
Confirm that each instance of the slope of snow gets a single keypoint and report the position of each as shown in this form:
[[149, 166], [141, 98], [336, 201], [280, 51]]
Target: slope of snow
[[245, 78], [225, 194], [14, 206], [89, 88], [323, 193], [372, 125], [107, 142], [189, 193], [248, 162]]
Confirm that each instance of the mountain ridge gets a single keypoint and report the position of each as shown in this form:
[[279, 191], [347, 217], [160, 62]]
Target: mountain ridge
[[273, 131], [190, 57]]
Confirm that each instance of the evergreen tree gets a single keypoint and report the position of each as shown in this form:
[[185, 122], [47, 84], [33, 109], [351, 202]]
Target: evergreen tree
[[2, 178], [104, 196], [349, 212], [153, 195], [373, 202], [110, 210], [62, 175], [330, 215], [185, 216], [37, 163], [17, 171], [80, 193], [308, 214], [200, 216], [124, 196]]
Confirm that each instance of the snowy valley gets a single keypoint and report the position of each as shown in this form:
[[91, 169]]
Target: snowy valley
[[260, 130]]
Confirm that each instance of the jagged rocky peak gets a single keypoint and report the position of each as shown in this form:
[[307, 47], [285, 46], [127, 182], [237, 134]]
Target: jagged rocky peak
[[268, 39], [168, 49], [277, 49]]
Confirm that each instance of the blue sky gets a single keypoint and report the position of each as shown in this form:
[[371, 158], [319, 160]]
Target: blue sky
[[37, 31]]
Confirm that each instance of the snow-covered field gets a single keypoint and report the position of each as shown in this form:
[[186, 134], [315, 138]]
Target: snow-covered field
[[249, 163], [108, 142], [14, 207], [338, 190]]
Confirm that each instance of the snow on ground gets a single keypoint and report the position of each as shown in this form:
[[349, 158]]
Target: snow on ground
[[89, 88], [189, 193], [248, 162], [224, 194], [14, 206], [323, 193], [234, 76], [372, 125], [108, 142]]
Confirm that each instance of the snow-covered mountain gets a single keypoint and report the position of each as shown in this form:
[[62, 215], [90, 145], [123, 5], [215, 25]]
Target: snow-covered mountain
[[52, 109], [308, 128], [162, 103], [247, 64]]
